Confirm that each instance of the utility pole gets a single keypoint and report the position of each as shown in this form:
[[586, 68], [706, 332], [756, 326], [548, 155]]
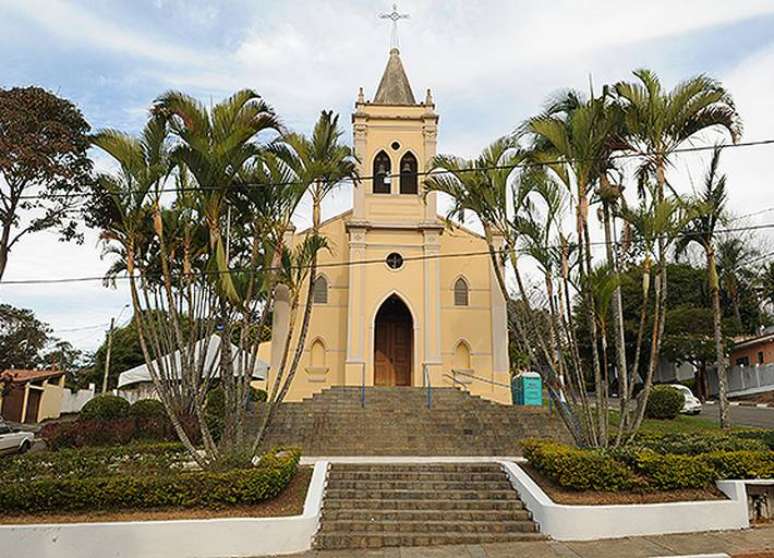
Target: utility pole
[[107, 355]]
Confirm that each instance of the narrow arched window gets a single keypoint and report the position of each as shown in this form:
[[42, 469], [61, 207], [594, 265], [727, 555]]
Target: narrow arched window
[[320, 290], [381, 173], [408, 174], [317, 357], [460, 292]]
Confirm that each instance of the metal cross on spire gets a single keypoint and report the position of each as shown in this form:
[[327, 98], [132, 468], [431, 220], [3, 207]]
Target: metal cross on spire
[[394, 16]]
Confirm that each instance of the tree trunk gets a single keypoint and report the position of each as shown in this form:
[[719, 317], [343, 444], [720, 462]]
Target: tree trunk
[[717, 327]]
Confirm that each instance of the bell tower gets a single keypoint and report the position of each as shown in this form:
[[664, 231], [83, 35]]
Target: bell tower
[[395, 141]]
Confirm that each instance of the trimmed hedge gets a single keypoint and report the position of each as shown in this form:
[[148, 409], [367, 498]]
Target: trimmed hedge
[[147, 408], [87, 433], [642, 469], [578, 469], [694, 444], [175, 489], [664, 402], [105, 407], [143, 459]]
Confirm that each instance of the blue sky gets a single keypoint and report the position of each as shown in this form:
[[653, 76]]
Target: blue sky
[[489, 64]]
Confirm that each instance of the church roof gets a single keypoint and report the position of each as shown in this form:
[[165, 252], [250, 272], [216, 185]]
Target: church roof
[[394, 89]]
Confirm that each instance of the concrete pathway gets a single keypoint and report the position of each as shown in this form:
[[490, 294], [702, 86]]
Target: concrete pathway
[[724, 543]]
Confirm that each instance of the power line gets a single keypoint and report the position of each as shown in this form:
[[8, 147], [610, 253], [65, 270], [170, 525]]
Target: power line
[[349, 263], [528, 164]]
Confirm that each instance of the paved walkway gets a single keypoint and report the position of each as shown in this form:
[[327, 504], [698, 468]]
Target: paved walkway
[[731, 543]]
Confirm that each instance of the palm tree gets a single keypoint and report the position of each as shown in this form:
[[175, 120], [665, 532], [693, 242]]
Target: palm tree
[[575, 139], [766, 282], [710, 209], [658, 123], [733, 255], [320, 164]]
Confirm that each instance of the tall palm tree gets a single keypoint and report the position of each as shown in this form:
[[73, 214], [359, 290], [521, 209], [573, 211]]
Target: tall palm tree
[[575, 139], [320, 164], [659, 122], [710, 211], [734, 254]]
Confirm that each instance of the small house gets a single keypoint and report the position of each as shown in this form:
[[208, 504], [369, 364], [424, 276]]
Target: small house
[[31, 396]]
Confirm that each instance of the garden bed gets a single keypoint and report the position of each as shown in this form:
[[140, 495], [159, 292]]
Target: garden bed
[[289, 502], [562, 495]]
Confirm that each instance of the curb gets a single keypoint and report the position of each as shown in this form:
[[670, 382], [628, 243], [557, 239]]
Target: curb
[[744, 404]]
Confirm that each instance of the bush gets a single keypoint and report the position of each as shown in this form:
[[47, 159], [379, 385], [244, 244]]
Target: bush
[[665, 402], [258, 395], [696, 443], [176, 489], [87, 433], [644, 469], [670, 472], [147, 408], [105, 407], [215, 411], [132, 459], [578, 469], [765, 437]]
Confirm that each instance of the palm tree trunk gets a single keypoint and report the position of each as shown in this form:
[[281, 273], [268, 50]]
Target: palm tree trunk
[[717, 327]]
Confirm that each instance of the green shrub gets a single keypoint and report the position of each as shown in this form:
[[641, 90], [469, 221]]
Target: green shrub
[[131, 459], [147, 408], [175, 489], [258, 395], [741, 464], [665, 402], [696, 443], [670, 472], [105, 407], [578, 469], [765, 437], [215, 411]]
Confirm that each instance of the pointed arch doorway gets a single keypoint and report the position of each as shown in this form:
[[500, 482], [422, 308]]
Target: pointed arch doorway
[[393, 344]]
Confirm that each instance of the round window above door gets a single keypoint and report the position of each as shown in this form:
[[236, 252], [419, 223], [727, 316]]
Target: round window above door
[[394, 261]]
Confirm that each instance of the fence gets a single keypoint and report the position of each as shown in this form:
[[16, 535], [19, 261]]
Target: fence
[[744, 380], [73, 401]]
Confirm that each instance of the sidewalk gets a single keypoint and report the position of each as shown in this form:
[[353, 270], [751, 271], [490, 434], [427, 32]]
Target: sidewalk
[[724, 543]]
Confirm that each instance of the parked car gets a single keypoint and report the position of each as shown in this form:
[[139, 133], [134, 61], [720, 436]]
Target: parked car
[[13, 440], [691, 405]]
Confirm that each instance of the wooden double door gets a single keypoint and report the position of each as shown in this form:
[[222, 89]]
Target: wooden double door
[[393, 344]]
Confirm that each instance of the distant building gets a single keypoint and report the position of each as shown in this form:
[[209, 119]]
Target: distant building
[[754, 350], [31, 396]]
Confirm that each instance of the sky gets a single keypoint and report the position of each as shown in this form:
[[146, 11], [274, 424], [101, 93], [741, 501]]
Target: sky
[[490, 64]]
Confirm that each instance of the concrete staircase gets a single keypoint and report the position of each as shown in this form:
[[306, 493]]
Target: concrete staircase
[[370, 506], [397, 421]]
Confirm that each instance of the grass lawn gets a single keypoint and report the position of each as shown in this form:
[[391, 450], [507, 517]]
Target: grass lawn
[[683, 424]]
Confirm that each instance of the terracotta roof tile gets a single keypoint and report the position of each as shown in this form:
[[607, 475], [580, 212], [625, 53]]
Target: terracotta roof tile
[[22, 376]]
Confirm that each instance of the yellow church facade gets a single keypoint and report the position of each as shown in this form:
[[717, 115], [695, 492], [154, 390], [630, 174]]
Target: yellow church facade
[[418, 301]]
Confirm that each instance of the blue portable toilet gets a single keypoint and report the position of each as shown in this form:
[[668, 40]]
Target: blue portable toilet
[[527, 389]]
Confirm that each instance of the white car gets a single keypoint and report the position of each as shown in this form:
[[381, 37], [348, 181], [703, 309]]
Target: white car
[[13, 440], [692, 405]]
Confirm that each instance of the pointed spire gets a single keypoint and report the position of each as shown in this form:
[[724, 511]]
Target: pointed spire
[[394, 88], [429, 98], [360, 96]]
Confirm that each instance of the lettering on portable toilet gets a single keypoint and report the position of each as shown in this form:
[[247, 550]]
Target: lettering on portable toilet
[[531, 389]]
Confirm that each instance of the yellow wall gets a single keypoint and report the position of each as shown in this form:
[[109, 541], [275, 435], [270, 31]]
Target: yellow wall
[[408, 224]]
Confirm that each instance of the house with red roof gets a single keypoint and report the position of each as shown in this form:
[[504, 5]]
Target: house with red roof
[[31, 396]]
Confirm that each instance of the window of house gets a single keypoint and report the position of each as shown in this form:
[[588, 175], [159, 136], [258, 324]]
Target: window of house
[[381, 173], [408, 174], [760, 357], [460, 292], [320, 290], [743, 361]]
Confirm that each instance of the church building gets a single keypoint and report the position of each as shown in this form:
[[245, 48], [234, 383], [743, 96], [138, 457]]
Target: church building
[[410, 306]]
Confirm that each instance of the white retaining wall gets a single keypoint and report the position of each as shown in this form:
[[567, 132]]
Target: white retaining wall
[[73, 401], [199, 538], [578, 523]]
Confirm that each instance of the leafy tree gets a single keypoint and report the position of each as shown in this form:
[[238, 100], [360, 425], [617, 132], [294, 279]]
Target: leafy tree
[[22, 338], [125, 353], [43, 165]]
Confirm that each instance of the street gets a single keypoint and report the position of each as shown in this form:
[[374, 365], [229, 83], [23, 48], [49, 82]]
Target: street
[[756, 417]]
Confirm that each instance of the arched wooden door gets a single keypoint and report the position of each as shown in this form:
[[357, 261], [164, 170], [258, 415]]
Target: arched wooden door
[[393, 344]]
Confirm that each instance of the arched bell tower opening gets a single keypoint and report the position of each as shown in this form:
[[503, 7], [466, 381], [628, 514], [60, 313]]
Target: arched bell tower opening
[[393, 344]]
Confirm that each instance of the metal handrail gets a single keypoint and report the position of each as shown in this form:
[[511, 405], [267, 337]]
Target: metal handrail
[[362, 387], [429, 387], [486, 380]]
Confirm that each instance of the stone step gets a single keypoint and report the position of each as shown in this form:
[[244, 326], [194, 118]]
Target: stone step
[[418, 494], [364, 484], [426, 515], [342, 540], [441, 503], [403, 526], [461, 476], [418, 468]]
